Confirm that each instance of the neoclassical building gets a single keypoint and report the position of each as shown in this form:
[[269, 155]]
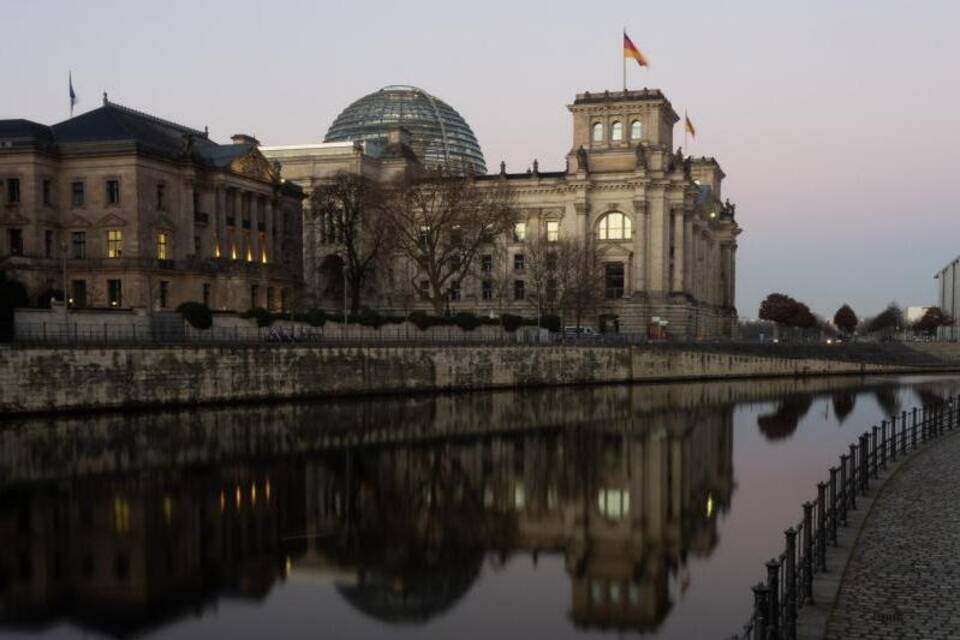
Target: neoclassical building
[[665, 239], [127, 210]]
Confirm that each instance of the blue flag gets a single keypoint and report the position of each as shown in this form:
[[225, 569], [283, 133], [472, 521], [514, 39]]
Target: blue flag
[[73, 94]]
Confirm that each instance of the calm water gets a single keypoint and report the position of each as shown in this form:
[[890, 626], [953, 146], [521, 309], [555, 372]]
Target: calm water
[[560, 513]]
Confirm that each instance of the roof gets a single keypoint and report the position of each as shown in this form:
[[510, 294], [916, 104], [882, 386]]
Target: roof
[[619, 96], [113, 122]]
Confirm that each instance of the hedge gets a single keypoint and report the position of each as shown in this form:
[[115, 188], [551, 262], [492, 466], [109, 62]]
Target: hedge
[[197, 314]]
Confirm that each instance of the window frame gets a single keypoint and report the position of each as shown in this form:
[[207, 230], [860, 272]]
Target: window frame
[[114, 244], [112, 198], [636, 129], [624, 230], [552, 230], [78, 194], [596, 132], [76, 236], [616, 131]]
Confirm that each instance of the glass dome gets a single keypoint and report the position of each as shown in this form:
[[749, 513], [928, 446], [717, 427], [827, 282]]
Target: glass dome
[[438, 134]]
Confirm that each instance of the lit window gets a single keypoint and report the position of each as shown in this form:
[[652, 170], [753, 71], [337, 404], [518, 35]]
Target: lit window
[[520, 232], [616, 131], [162, 251], [636, 130], [519, 496], [114, 243], [121, 515], [615, 226], [597, 134], [553, 231], [614, 503]]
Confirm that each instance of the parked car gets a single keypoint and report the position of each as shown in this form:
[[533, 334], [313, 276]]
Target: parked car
[[579, 332]]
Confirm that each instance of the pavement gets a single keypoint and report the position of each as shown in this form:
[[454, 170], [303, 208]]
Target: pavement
[[903, 576]]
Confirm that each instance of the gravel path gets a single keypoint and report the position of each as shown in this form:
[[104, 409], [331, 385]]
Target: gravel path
[[903, 580]]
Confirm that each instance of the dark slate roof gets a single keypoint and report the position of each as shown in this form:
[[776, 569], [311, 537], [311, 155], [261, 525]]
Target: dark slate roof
[[21, 129], [221, 155]]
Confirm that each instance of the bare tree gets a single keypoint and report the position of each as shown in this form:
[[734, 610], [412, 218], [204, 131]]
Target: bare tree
[[352, 208], [441, 222], [547, 273], [580, 278]]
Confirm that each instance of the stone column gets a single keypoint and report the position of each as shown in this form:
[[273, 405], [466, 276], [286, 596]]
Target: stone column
[[268, 211], [254, 201], [185, 246], [688, 272], [220, 215], [657, 243], [678, 250], [639, 246]]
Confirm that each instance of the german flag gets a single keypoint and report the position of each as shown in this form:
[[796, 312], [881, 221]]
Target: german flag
[[631, 51], [689, 125]]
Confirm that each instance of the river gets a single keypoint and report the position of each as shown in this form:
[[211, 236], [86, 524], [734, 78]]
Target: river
[[577, 512]]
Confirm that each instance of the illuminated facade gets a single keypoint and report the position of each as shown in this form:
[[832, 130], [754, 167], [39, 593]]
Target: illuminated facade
[[131, 211]]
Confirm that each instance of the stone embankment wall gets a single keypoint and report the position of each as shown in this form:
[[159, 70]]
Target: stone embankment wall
[[36, 380]]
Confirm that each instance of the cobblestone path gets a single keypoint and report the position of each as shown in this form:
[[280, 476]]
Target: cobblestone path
[[903, 580]]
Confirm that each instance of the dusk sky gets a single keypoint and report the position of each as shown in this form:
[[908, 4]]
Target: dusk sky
[[836, 122]]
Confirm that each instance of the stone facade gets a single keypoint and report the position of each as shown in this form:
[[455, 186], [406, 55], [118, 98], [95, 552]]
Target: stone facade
[[125, 210], [654, 217]]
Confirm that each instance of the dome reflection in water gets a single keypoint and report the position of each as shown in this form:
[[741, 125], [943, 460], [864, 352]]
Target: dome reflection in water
[[410, 512]]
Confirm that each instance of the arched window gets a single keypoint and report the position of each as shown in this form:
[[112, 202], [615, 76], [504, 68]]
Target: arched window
[[598, 132], [615, 226], [636, 130], [616, 131]]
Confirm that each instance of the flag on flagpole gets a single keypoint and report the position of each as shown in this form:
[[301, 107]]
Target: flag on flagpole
[[690, 129], [73, 94], [630, 51]]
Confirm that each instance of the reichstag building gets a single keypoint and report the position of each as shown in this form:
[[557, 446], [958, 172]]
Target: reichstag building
[[655, 218]]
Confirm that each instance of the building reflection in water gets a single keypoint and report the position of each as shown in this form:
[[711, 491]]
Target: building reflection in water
[[122, 524]]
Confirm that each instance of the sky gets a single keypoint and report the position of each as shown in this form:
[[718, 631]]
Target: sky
[[835, 122]]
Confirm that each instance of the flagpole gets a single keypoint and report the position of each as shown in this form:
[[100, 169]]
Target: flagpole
[[623, 59], [686, 130]]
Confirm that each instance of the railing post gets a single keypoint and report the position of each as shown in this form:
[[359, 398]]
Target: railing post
[[893, 438], [873, 458], [923, 424], [790, 581], [760, 593], [773, 599], [864, 468], [822, 526], [913, 436], [833, 506], [853, 477], [903, 432], [883, 445], [844, 490], [807, 552]]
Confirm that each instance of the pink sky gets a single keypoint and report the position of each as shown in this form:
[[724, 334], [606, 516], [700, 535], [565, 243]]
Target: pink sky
[[835, 122]]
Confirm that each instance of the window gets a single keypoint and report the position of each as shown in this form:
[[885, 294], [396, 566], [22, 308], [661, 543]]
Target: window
[[553, 230], [613, 280], [162, 196], [115, 292], [113, 192], [520, 232], [615, 226], [78, 295], [163, 251], [16, 241], [206, 294], [254, 290], [519, 262], [78, 244], [636, 130], [76, 194], [270, 299], [455, 292], [616, 131], [197, 245], [47, 192], [13, 190], [163, 293], [597, 135], [486, 263], [48, 243], [486, 290], [114, 243], [614, 503], [519, 289], [284, 294]]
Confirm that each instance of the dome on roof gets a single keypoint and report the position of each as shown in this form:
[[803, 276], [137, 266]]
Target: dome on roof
[[438, 134]]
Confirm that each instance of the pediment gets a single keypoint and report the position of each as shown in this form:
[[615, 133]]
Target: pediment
[[76, 221], [254, 165], [111, 220], [14, 218]]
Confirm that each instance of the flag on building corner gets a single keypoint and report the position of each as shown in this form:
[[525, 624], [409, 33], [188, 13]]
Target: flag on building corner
[[73, 94], [631, 51], [689, 125]]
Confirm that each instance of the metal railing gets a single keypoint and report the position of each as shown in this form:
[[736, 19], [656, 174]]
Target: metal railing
[[788, 583], [142, 333]]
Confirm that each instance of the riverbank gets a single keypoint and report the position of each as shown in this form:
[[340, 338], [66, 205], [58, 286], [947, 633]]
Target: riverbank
[[50, 380]]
